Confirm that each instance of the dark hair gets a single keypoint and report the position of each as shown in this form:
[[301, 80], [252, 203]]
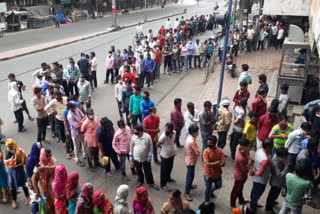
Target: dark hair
[[314, 133], [120, 123], [284, 86], [243, 102], [43, 64], [151, 109], [177, 101], [37, 90], [11, 75], [48, 67], [128, 81], [188, 211], [243, 83], [50, 87], [57, 93], [261, 91], [73, 97], [273, 109], [47, 151], [137, 88], [39, 76], [139, 128], [245, 67], [281, 152], [262, 78], [207, 207], [299, 169], [207, 104], [275, 102], [267, 143], [89, 110], [253, 114], [82, 54], [93, 54], [305, 126], [312, 144], [243, 142], [146, 93], [283, 117], [212, 138], [56, 63], [175, 193], [193, 128], [169, 126], [190, 105], [104, 121]]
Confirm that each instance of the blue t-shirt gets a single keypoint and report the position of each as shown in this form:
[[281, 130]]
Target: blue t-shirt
[[65, 115], [144, 107]]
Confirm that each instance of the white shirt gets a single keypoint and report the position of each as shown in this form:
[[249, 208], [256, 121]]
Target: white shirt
[[139, 29], [189, 118], [152, 44], [176, 24], [167, 144], [280, 34], [274, 30], [250, 34], [14, 99], [66, 75], [168, 25], [141, 148], [197, 49], [294, 140], [93, 63], [118, 92]]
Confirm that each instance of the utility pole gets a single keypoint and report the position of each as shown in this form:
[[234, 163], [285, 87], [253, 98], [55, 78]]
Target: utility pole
[[234, 15], [145, 3], [114, 15], [226, 38]]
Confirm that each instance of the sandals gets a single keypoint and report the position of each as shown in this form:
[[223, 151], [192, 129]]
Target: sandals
[[188, 197], [79, 163], [165, 188], [194, 186], [155, 186]]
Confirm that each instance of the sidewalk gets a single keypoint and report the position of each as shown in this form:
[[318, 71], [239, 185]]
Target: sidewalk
[[97, 26]]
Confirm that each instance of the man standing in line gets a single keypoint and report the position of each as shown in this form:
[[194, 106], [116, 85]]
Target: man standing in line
[[117, 63], [151, 127], [149, 68], [158, 53], [213, 160], [109, 67], [250, 35], [197, 48], [190, 51], [146, 104], [274, 30], [118, 88], [167, 154], [127, 92], [207, 121], [263, 83], [94, 67], [74, 76], [84, 66], [177, 120], [191, 154], [85, 91], [190, 116], [224, 122], [140, 155], [134, 106], [15, 104], [38, 102]]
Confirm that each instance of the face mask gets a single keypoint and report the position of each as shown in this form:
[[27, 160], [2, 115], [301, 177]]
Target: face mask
[[157, 49], [167, 133], [135, 133], [211, 146], [72, 66], [118, 54], [91, 117], [58, 99], [81, 79], [190, 42], [196, 135], [83, 58]]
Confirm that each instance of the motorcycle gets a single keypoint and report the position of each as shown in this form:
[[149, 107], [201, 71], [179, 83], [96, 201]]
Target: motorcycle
[[231, 65]]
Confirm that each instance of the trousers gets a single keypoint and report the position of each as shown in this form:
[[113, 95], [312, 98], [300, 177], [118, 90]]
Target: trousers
[[146, 168], [92, 154], [42, 128], [237, 192], [256, 192], [165, 170], [19, 117]]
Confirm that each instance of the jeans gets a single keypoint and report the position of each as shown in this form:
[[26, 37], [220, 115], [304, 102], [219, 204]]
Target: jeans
[[146, 166], [184, 62], [19, 117], [135, 119], [60, 132], [256, 192], [189, 179], [209, 189], [235, 50], [235, 137], [189, 61], [147, 75], [94, 78], [222, 139], [203, 60], [165, 170], [65, 87], [204, 142], [114, 158], [292, 159], [127, 114], [237, 192], [14, 193], [119, 109], [158, 70], [272, 197], [109, 71], [123, 158], [307, 114], [175, 66], [260, 44], [195, 59], [286, 207], [177, 138], [42, 128]]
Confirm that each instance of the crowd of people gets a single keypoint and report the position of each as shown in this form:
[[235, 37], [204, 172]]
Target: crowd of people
[[288, 159]]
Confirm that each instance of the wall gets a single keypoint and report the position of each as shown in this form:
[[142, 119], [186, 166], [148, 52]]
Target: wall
[[287, 7]]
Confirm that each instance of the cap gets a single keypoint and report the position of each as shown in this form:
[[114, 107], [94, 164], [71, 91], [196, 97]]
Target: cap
[[74, 103]]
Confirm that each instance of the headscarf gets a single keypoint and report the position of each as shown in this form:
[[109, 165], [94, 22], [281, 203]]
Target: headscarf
[[145, 204], [85, 199], [121, 204], [18, 156], [175, 206], [45, 161], [33, 158], [72, 185], [98, 199], [59, 182]]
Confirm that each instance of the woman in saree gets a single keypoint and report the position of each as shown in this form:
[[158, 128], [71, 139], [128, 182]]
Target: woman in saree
[[72, 191], [59, 185], [101, 203], [84, 203], [4, 189], [142, 203], [33, 158]]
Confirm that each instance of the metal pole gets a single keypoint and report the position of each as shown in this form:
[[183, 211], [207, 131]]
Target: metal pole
[[234, 15], [114, 15], [226, 38], [145, 3]]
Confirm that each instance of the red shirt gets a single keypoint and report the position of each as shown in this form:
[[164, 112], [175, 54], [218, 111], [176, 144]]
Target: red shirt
[[158, 58], [162, 31], [131, 76], [161, 41], [259, 106], [239, 95], [151, 123], [265, 125]]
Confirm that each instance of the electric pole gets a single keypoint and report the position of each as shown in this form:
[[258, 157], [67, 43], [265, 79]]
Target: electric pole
[[114, 18]]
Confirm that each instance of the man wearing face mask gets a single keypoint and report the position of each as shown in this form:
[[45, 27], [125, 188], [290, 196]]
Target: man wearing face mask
[[192, 152], [140, 155], [126, 94], [118, 88], [224, 122], [109, 67], [89, 129], [56, 106], [158, 59], [105, 134], [146, 104], [213, 161], [85, 91], [121, 145], [167, 154], [84, 66], [176, 118], [190, 51], [150, 67], [117, 63], [74, 76], [134, 106]]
